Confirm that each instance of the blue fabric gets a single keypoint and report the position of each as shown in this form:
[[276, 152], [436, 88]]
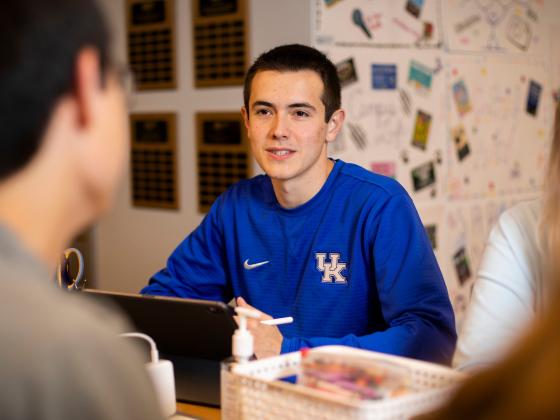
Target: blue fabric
[[390, 297]]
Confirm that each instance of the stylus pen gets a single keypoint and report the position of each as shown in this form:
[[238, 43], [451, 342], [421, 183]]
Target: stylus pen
[[278, 321]]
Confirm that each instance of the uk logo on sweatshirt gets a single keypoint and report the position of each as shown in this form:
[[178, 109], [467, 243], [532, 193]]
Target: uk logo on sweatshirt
[[331, 267]]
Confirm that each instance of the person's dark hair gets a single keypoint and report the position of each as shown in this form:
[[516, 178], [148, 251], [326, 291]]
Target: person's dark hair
[[295, 57], [39, 44]]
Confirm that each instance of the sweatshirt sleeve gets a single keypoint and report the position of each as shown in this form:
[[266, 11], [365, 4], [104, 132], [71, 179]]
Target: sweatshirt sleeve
[[197, 268], [504, 294], [414, 301]]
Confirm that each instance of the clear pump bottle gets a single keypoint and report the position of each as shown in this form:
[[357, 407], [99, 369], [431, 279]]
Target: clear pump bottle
[[242, 351]]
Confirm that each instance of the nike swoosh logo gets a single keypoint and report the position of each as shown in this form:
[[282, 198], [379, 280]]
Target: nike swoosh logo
[[248, 266]]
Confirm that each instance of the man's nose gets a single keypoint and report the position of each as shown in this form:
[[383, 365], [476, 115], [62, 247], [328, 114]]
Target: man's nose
[[280, 127]]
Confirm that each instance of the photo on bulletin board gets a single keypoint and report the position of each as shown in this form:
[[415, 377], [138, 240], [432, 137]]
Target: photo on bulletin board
[[423, 176], [420, 76], [461, 143], [421, 130], [346, 72], [384, 76]]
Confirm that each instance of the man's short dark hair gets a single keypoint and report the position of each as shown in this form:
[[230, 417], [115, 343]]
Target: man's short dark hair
[[39, 43], [295, 57]]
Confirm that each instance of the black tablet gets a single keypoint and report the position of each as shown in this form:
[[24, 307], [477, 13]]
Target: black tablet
[[181, 327]]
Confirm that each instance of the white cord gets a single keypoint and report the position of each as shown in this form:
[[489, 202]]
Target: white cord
[[153, 349]]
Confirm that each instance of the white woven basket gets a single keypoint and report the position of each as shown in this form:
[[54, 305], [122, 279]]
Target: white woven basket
[[249, 391]]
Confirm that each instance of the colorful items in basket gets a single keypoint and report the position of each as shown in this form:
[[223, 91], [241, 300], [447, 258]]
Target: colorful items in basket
[[352, 377]]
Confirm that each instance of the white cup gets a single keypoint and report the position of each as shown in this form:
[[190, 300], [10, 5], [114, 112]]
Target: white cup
[[161, 374]]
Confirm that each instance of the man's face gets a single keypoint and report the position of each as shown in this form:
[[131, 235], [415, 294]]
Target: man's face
[[286, 125]]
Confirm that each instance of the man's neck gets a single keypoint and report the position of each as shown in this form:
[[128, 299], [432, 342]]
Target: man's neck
[[37, 215], [294, 193]]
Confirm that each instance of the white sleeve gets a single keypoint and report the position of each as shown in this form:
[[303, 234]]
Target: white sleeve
[[503, 298]]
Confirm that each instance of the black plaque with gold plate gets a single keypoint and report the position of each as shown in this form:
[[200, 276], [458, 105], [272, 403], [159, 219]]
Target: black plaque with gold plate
[[220, 42], [153, 161], [223, 154], [151, 43]]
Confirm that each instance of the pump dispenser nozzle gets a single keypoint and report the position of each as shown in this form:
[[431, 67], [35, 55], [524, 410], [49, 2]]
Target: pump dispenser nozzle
[[242, 340]]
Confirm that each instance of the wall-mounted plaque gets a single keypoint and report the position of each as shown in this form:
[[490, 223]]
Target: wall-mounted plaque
[[151, 43], [223, 154], [153, 161], [217, 7], [220, 42]]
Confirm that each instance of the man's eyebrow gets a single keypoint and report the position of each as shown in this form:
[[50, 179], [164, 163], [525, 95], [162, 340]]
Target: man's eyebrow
[[291, 106], [302, 105], [261, 103]]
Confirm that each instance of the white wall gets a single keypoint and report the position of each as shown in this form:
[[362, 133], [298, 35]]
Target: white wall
[[132, 243]]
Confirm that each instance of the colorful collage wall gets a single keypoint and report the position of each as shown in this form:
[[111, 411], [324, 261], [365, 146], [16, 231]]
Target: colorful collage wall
[[453, 98]]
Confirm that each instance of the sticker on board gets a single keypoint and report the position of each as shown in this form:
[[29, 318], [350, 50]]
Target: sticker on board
[[423, 176], [414, 7], [421, 130], [384, 168], [461, 263], [329, 3], [533, 97], [431, 231], [420, 76], [346, 71], [384, 76], [461, 142], [358, 20], [461, 97]]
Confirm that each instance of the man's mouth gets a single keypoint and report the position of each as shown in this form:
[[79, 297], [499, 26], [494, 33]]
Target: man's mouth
[[280, 153]]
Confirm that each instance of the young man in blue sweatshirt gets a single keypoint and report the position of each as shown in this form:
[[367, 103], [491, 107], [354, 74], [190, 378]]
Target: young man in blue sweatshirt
[[338, 248]]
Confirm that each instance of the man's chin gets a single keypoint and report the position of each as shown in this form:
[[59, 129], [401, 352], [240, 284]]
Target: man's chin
[[278, 175]]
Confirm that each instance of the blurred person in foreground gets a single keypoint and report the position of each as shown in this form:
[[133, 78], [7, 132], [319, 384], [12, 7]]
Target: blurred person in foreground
[[63, 135], [525, 384]]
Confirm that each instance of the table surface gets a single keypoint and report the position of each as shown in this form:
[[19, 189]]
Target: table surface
[[198, 411]]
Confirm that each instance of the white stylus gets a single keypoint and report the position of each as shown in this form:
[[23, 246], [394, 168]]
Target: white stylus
[[278, 321]]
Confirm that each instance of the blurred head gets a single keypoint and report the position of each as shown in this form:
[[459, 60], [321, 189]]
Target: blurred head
[[57, 82], [292, 58]]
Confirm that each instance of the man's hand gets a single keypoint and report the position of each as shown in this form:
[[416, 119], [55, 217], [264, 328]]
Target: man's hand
[[267, 338]]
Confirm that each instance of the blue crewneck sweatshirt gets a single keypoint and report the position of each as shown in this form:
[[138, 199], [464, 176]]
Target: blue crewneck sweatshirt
[[352, 266]]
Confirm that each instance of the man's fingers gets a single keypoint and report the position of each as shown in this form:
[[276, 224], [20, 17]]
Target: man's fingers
[[251, 323]]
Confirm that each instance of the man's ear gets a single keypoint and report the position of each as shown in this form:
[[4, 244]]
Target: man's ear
[[335, 124], [87, 84], [245, 117]]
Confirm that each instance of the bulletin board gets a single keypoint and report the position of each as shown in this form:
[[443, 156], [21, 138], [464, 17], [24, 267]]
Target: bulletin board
[[441, 95]]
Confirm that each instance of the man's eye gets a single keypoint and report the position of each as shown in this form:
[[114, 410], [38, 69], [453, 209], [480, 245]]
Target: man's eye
[[301, 114], [262, 112]]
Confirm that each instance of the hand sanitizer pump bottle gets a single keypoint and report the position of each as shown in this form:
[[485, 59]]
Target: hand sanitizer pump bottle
[[242, 351]]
